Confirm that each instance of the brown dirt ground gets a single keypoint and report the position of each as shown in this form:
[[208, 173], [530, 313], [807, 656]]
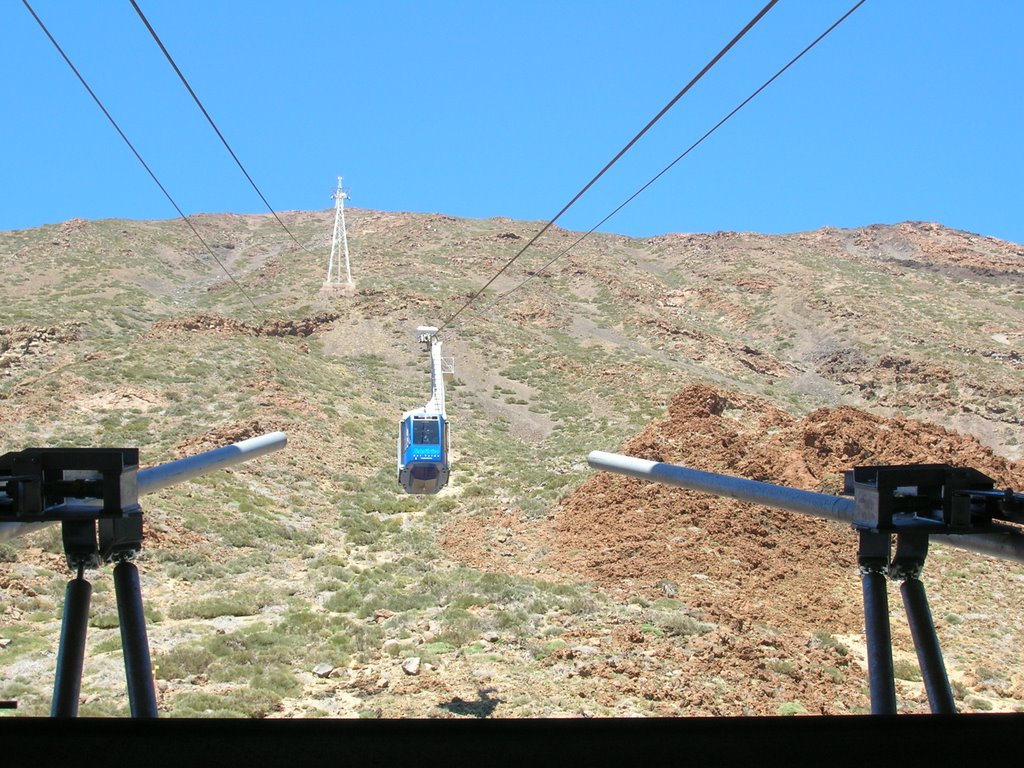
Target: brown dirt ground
[[769, 579]]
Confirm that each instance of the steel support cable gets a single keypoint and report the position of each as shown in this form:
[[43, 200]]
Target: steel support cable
[[138, 157], [750, 25], [209, 119], [688, 150]]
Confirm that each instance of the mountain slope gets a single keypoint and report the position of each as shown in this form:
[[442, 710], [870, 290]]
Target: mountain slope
[[529, 587]]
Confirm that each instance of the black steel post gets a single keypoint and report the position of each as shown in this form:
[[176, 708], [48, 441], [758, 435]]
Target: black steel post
[[879, 642], [926, 643], [873, 559], [134, 643], [67, 684]]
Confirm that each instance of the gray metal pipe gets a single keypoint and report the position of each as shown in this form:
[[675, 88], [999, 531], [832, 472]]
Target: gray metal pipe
[[172, 472], [805, 502], [1007, 543], [163, 475]]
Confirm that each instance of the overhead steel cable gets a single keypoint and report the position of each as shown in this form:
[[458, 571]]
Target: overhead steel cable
[[688, 150], [209, 119], [135, 152], [750, 25]]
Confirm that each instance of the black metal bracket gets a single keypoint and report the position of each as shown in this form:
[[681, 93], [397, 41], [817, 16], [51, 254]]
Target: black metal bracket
[[43, 484], [911, 503], [933, 498], [93, 494]]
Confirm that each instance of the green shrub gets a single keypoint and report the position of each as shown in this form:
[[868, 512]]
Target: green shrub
[[826, 640], [104, 621], [182, 661], [239, 604], [783, 667], [979, 704], [242, 702], [906, 670], [790, 708]]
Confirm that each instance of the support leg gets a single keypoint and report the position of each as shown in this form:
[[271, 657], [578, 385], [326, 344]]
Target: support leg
[[879, 642], [134, 643], [926, 642], [71, 654], [873, 558]]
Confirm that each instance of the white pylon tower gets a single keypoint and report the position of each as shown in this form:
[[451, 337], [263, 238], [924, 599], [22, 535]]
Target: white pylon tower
[[339, 197]]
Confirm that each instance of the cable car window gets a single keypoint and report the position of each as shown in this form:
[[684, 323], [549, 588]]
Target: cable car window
[[425, 432]]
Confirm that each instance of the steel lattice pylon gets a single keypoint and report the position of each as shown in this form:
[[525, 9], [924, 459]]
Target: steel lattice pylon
[[340, 233]]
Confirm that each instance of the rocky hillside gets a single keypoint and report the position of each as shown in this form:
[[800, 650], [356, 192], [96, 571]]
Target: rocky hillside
[[304, 584]]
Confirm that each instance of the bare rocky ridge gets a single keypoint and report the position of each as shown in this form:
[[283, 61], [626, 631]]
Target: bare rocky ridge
[[305, 585], [20, 341], [771, 581]]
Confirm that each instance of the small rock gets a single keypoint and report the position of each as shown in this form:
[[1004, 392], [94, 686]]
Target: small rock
[[483, 673], [382, 614], [323, 670], [4, 642], [383, 683], [490, 637], [411, 666]]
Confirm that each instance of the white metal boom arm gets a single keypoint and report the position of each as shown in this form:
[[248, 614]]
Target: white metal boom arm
[[439, 367]]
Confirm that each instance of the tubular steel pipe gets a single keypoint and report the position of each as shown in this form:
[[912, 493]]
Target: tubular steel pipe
[[67, 684], [879, 642], [172, 472], [805, 502], [138, 667], [1006, 543], [926, 643], [163, 475]]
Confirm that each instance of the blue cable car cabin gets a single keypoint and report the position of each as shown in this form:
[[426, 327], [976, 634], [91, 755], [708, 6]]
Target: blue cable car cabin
[[423, 452]]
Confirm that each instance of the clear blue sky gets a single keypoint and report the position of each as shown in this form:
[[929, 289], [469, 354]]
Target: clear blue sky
[[911, 110]]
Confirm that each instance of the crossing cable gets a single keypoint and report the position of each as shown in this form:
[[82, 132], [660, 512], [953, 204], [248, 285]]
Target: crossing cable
[[689, 149], [209, 119], [750, 25], [139, 157]]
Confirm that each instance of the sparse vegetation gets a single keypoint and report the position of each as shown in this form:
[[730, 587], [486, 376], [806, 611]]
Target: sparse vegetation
[[254, 577], [790, 708], [906, 670]]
